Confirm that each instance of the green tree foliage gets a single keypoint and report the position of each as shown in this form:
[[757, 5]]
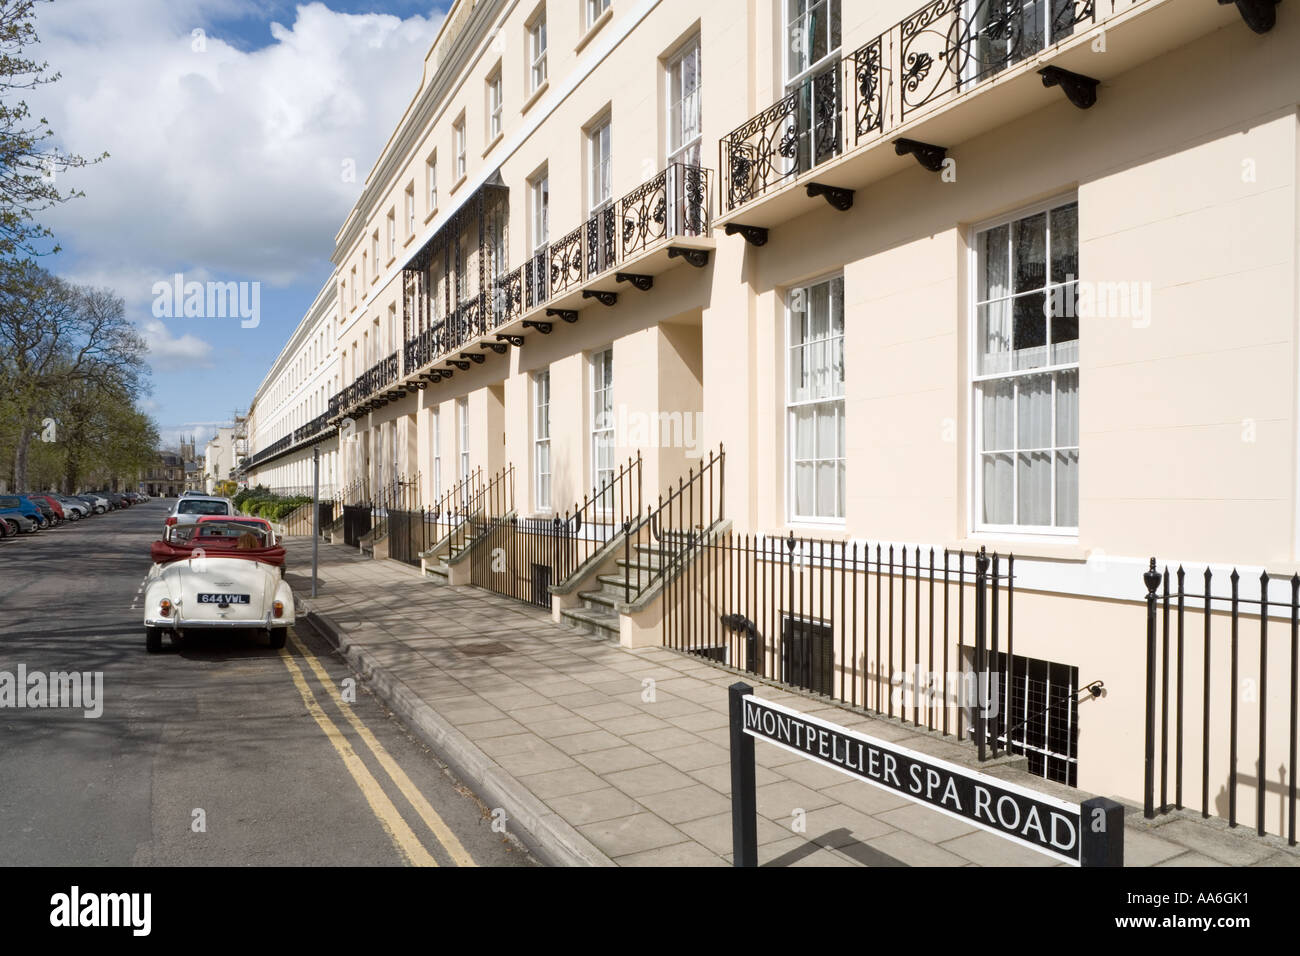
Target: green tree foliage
[[29, 164]]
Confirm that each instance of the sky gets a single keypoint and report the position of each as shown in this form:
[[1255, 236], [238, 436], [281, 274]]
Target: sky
[[231, 127]]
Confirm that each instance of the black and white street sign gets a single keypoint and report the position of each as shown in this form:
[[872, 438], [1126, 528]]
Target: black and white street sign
[[1070, 832]]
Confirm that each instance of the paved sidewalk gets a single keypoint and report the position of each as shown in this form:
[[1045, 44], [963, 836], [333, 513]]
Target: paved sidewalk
[[560, 728]]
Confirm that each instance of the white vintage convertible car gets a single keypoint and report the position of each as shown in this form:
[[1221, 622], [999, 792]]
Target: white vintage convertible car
[[226, 573]]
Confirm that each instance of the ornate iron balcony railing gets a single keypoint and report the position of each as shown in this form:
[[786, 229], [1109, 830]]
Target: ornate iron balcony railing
[[947, 48], [675, 202], [790, 137], [566, 261]]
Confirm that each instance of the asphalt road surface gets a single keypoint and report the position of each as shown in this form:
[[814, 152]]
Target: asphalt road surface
[[220, 751]]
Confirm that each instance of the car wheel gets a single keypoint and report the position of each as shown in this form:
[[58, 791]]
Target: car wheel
[[278, 635], [153, 639]]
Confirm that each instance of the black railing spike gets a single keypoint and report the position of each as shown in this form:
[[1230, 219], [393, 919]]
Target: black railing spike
[[789, 543]]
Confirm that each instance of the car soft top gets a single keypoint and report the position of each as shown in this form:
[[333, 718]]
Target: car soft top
[[164, 553]]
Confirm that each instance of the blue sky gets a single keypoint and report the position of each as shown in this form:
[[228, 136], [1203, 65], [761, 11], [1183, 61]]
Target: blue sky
[[231, 125]]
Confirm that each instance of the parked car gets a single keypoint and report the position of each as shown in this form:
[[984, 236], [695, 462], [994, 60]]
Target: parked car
[[46, 513], [188, 511], [55, 505], [74, 507], [223, 575], [21, 513]]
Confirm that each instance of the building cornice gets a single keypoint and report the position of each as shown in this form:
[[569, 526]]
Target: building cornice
[[417, 119]]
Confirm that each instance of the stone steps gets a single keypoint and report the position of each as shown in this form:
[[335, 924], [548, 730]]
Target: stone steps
[[597, 623]]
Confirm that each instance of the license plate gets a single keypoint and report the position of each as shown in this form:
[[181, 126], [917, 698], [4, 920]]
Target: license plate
[[223, 598]]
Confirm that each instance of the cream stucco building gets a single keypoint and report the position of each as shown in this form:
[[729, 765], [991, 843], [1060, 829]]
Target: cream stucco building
[[956, 275]]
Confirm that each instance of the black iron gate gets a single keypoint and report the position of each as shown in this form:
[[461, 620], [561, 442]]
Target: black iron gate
[[406, 535], [356, 523]]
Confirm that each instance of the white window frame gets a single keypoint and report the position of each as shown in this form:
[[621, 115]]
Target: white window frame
[[494, 104], [392, 234], [600, 165], [788, 24], [539, 191], [437, 453], [689, 150], [537, 53], [542, 470], [462, 437], [458, 142], [977, 379], [431, 180], [597, 388], [374, 247], [595, 10], [792, 405], [410, 209]]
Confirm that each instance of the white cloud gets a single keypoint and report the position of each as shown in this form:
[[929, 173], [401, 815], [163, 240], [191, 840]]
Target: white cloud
[[222, 161], [165, 347]]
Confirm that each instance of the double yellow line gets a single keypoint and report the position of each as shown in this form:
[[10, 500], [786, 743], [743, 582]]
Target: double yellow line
[[403, 837]]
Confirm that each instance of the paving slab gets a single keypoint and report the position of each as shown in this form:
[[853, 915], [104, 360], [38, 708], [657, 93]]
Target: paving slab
[[605, 755]]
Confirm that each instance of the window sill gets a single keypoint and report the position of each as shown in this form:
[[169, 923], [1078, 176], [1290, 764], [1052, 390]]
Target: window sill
[[829, 530], [429, 218], [458, 183], [1048, 546], [408, 240], [535, 96], [492, 145], [388, 264], [594, 29]]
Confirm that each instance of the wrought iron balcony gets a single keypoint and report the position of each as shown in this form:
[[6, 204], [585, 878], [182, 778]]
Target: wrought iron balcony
[[674, 203], [312, 428], [946, 49], [790, 137], [374, 379]]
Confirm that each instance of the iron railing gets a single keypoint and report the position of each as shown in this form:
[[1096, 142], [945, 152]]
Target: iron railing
[[946, 48], [486, 506], [566, 262], [1229, 674], [801, 130], [522, 557], [675, 202], [904, 631], [655, 543], [414, 530]]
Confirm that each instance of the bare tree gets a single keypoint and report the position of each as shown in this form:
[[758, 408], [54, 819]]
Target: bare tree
[[54, 336]]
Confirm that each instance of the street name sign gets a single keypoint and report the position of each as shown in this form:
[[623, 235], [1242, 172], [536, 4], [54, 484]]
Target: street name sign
[[1087, 834]]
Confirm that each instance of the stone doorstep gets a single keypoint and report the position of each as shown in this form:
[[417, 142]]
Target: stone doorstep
[[642, 763]]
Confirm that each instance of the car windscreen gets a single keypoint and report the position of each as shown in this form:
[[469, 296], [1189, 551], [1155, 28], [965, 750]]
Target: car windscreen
[[200, 507], [232, 530]]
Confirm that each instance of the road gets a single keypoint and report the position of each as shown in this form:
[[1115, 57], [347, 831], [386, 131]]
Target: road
[[220, 752]]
